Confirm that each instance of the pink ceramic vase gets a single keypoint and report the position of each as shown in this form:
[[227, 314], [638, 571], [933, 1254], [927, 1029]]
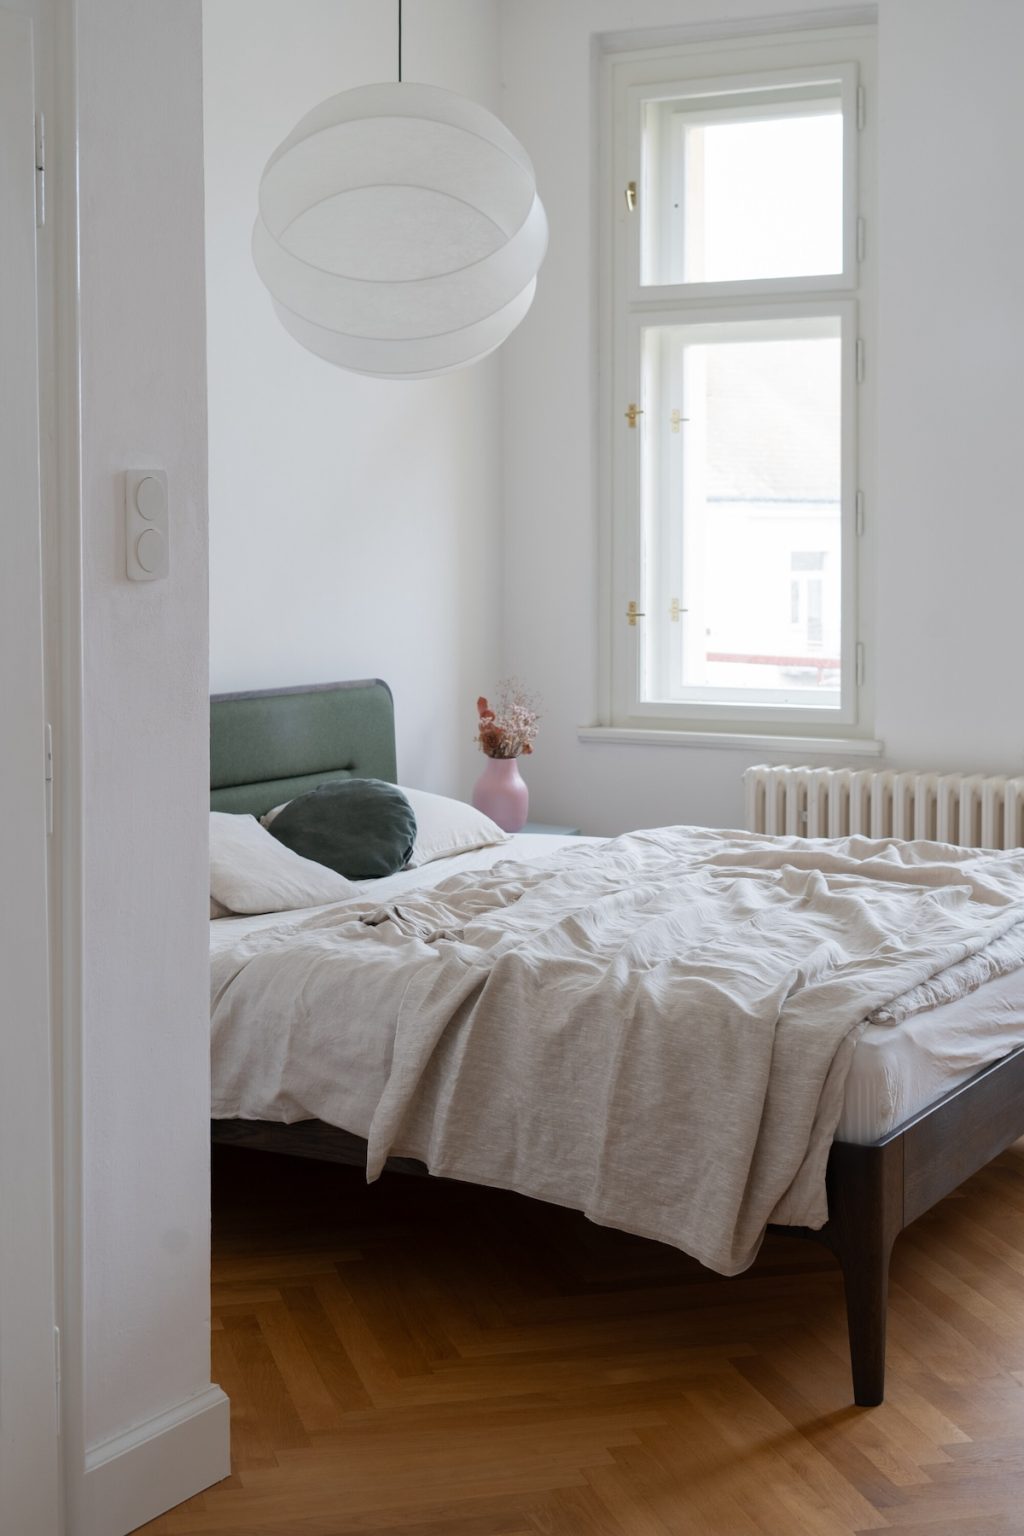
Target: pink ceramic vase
[[502, 794]]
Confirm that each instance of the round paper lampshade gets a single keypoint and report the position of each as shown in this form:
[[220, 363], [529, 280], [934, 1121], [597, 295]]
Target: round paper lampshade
[[399, 231]]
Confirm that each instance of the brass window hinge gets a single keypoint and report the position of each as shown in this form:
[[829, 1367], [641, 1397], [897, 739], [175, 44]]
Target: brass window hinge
[[632, 614], [675, 611], [677, 418], [632, 412]]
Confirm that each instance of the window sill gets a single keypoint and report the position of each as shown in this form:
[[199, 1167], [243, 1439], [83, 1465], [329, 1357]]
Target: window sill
[[807, 746]]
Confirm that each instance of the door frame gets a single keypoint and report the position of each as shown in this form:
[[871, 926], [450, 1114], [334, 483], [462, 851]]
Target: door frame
[[30, 1460]]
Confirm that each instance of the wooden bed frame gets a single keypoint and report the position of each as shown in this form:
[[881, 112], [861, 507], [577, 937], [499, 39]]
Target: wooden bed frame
[[874, 1191]]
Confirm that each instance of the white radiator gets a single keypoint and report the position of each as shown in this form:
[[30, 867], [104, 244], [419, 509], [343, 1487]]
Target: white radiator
[[969, 809]]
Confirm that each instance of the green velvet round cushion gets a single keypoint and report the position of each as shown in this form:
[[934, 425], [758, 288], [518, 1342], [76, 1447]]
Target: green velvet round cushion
[[363, 828]]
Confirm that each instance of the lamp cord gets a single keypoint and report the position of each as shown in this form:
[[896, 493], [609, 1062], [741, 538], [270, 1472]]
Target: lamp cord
[[399, 42]]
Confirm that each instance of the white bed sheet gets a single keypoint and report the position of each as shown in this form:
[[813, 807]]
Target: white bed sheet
[[900, 1069], [897, 1069]]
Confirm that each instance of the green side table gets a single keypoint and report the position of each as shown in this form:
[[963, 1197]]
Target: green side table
[[539, 826]]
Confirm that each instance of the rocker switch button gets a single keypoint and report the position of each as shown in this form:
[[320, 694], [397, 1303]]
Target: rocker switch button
[[149, 550], [145, 524], [151, 498]]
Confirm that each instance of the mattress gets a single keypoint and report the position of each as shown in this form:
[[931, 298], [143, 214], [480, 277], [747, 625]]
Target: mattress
[[897, 1070]]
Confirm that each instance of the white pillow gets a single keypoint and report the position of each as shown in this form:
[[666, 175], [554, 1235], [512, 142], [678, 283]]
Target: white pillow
[[443, 827], [446, 827], [251, 872]]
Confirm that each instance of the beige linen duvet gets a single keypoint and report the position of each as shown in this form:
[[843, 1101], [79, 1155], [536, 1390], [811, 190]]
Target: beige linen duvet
[[655, 1030]]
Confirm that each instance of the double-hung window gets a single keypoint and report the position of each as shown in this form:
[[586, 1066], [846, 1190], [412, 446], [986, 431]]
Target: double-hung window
[[740, 341]]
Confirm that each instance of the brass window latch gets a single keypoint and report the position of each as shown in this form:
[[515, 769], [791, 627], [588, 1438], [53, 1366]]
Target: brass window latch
[[632, 614], [632, 412], [631, 196]]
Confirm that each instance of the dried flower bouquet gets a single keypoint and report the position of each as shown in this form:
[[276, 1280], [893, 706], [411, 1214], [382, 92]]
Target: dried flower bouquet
[[511, 729]]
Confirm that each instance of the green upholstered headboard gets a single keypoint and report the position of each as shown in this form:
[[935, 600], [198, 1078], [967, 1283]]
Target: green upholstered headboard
[[272, 745]]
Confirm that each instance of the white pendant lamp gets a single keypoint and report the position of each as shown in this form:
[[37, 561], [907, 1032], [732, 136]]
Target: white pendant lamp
[[399, 231]]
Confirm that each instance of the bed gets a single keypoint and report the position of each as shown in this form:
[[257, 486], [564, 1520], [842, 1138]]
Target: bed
[[928, 1102]]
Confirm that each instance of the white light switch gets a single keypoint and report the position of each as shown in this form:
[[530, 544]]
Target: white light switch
[[145, 524]]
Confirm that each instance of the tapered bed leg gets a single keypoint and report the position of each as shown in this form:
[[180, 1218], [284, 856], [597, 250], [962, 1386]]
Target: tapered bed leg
[[866, 1278], [865, 1187]]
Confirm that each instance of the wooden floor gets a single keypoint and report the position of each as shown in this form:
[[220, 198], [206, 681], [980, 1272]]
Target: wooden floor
[[429, 1359]]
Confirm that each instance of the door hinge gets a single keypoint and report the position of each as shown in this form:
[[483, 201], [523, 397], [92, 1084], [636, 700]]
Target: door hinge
[[632, 412], [859, 662], [631, 196], [57, 1373], [862, 107], [40, 170], [48, 775], [632, 614], [862, 238], [860, 360], [860, 514]]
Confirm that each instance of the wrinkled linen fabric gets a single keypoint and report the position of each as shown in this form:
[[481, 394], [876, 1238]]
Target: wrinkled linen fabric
[[655, 1030]]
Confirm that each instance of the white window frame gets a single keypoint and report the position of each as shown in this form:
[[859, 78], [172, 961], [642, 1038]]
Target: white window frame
[[766, 92], [793, 61]]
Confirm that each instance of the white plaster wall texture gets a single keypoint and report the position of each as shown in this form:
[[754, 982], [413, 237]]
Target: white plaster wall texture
[[951, 337], [145, 1004], [949, 543], [354, 523]]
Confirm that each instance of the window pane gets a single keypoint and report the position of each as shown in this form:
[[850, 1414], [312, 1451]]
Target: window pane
[[742, 513], [736, 193]]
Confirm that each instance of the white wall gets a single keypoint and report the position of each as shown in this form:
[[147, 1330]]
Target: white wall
[[144, 982], [949, 542], [951, 341], [354, 523]]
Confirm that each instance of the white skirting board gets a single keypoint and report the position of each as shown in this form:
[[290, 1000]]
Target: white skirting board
[[138, 1475]]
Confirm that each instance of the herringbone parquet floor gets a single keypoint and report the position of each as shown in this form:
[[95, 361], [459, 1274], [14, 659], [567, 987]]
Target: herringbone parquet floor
[[429, 1359]]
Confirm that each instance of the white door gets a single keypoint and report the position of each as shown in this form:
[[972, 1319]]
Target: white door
[[30, 1486]]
